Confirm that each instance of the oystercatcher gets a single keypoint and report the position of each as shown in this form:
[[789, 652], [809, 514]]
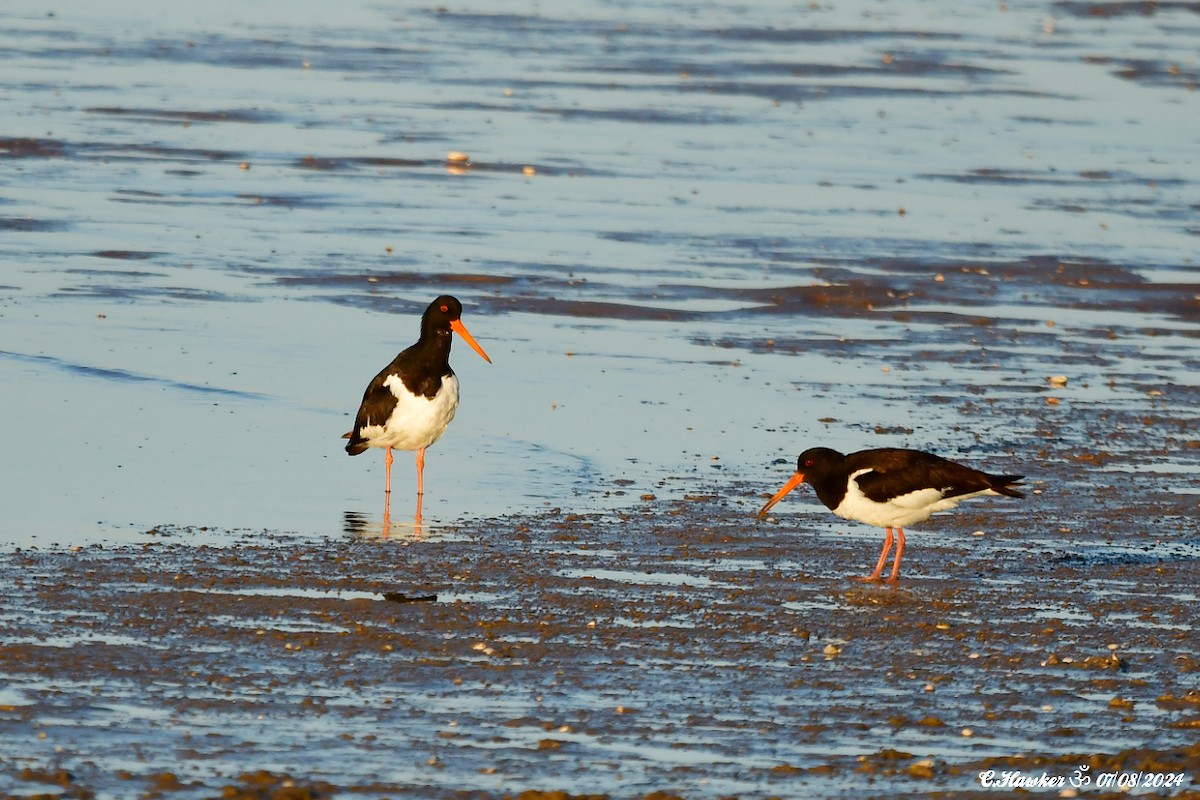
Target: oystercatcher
[[890, 488], [411, 402]]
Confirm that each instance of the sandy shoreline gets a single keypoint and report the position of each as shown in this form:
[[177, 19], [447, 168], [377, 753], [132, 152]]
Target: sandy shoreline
[[679, 647]]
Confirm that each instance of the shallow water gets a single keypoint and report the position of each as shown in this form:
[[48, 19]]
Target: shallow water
[[219, 225], [694, 240]]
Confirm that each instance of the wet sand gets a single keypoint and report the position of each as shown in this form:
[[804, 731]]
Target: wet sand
[[694, 244], [679, 649]]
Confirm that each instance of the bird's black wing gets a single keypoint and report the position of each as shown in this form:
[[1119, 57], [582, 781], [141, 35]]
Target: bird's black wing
[[899, 472]]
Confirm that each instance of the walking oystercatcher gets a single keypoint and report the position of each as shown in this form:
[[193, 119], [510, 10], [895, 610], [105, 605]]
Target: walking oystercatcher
[[890, 488], [411, 402]]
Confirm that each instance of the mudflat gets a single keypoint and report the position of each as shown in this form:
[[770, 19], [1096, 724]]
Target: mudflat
[[694, 244], [679, 648]]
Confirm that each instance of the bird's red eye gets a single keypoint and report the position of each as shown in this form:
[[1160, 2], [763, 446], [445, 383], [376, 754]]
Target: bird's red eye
[[808, 463], [445, 308]]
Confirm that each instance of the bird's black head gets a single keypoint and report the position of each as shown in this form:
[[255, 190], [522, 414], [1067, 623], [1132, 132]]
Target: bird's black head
[[443, 318], [816, 462], [441, 313]]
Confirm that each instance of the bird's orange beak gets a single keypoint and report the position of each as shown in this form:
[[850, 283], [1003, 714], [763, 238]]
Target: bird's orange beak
[[792, 483], [457, 326]]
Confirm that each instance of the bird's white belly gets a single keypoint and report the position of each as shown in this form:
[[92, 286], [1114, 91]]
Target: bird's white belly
[[888, 515], [417, 421], [900, 511]]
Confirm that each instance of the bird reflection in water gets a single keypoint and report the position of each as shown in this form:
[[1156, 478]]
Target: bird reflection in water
[[358, 525]]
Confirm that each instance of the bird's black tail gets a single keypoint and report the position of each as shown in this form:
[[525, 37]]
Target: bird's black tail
[[355, 445], [1001, 485]]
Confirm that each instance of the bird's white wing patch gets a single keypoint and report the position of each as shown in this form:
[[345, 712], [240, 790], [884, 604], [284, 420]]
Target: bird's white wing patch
[[921, 498]]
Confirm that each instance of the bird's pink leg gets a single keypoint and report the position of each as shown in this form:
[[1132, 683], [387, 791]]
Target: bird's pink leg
[[899, 552], [420, 482], [887, 545], [387, 492]]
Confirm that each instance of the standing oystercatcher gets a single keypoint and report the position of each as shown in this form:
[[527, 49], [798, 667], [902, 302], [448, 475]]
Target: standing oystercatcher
[[890, 488], [411, 402]]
